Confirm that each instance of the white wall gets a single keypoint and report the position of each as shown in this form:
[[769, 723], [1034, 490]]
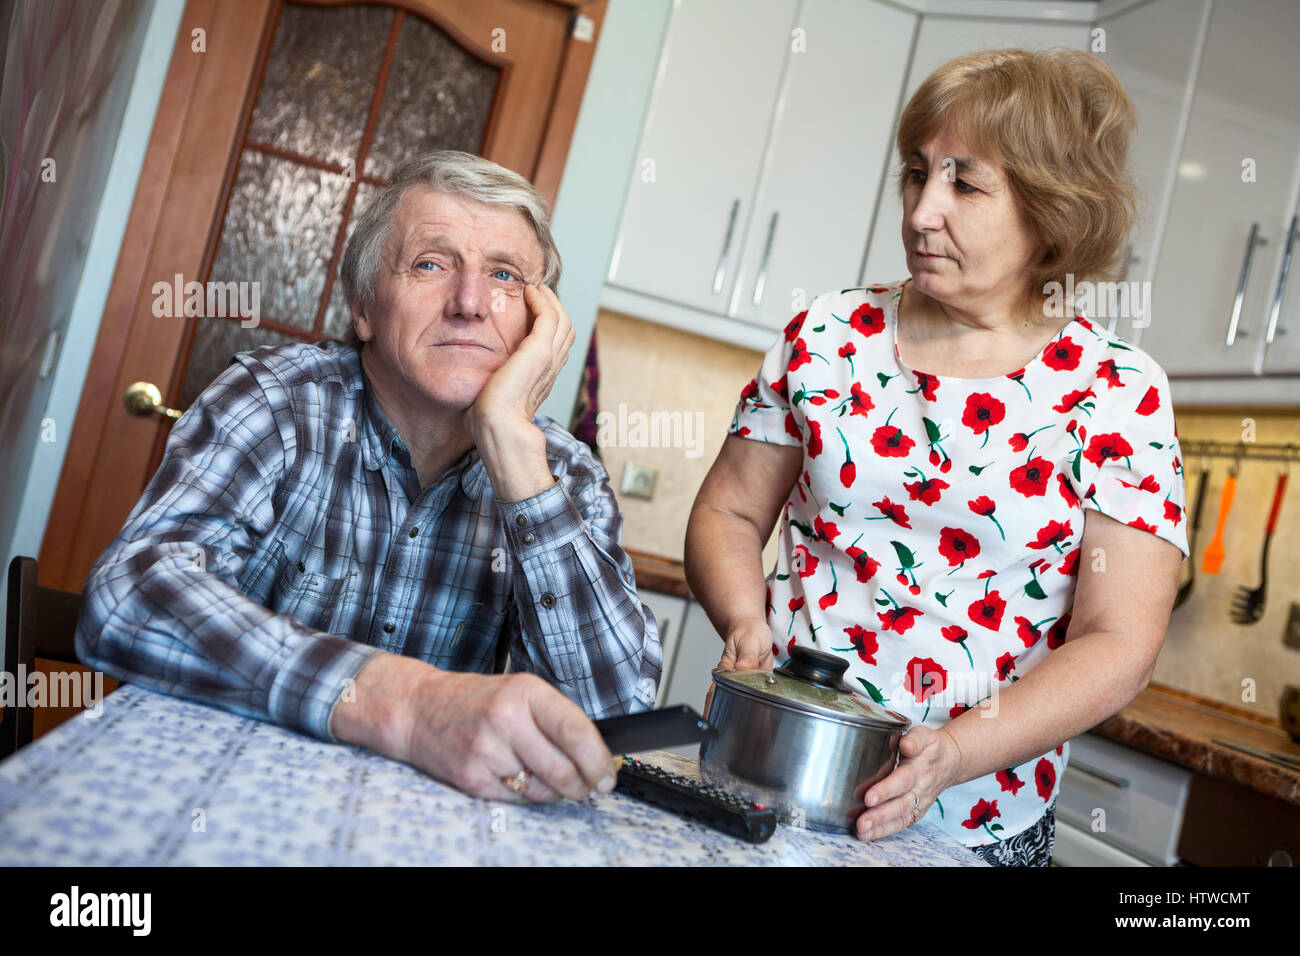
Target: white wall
[[601, 160]]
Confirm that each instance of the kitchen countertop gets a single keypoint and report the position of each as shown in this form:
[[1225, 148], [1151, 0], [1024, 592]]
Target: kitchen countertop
[[1161, 720], [1179, 727], [159, 781]]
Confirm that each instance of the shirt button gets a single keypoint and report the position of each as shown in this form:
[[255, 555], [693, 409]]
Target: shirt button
[[414, 532], [529, 537], [388, 629], [548, 600], [521, 520]]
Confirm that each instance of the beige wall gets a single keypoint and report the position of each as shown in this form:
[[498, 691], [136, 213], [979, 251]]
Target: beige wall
[[649, 367]]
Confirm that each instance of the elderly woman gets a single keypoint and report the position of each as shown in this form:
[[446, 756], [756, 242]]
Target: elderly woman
[[980, 495]]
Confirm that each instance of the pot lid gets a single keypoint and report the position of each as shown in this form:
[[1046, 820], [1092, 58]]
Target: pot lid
[[812, 682]]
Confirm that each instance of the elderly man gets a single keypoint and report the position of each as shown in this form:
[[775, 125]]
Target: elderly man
[[348, 539]]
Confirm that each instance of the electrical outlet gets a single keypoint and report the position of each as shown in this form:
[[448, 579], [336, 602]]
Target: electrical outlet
[[1292, 636], [638, 481]]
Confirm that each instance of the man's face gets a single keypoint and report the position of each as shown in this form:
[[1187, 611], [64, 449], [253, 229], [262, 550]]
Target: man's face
[[449, 300], [968, 217]]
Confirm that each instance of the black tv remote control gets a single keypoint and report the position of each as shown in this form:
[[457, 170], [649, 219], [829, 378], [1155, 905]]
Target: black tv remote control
[[695, 800]]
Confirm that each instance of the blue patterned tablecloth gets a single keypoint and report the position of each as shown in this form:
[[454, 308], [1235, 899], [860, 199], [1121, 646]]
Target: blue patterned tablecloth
[[155, 780]]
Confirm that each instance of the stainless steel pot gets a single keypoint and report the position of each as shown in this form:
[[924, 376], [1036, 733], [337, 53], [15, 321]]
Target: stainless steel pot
[[800, 740]]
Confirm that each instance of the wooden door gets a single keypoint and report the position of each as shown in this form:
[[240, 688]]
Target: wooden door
[[278, 121]]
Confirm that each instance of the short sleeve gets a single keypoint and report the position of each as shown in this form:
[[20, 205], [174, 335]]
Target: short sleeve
[[1138, 471], [764, 412]]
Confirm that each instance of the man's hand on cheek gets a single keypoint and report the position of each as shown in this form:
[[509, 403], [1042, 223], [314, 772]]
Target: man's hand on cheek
[[500, 421], [517, 389], [476, 731]]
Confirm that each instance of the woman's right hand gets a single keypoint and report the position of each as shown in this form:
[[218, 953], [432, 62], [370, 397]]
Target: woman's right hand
[[748, 646]]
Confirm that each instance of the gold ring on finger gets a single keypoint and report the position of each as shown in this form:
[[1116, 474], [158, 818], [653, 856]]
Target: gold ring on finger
[[517, 784]]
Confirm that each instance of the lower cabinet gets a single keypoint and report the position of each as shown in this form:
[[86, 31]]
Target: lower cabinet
[[669, 612], [1119, 806]]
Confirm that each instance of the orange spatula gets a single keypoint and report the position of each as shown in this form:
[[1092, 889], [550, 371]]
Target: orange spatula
[[1214, 554]]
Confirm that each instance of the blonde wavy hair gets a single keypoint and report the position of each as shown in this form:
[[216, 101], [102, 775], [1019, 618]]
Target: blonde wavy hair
[[1059, 124]]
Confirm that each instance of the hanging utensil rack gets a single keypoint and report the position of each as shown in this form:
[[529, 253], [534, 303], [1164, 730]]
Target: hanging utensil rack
[[1241, 451]]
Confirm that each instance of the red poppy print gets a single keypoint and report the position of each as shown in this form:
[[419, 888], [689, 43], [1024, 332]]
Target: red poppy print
[[1045, 778], [799, 356], [1104, 448], [958, 546], [927, 490], [1051, 535], [793, 327], [868, 320], [982, 412], [890, 442], [1008, 781], [1057, 633], [865, 566], [862, 642], [1062, 355], [814, 438], [1005, 665], [1031, 478], [825, 530], [893, 512], [981, 814], [898, 619]]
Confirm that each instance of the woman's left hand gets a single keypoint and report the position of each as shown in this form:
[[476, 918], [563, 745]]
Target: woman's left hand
[[928, 765]]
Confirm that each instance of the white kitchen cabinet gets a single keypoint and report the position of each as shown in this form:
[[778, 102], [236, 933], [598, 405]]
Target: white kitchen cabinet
[[698, 653], [1221, 253], [760, 162], [669, 612], [828, 149], [941, 39], [1152, 49], [698, 164], [1122, 799]]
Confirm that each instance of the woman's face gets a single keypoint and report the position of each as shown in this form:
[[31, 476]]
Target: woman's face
[[963, 213]]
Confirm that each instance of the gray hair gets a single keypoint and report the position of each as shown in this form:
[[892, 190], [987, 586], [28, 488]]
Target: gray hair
[[448, 171]]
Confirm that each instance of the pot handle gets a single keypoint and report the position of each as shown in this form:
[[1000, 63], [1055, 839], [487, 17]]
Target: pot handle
[[817, 667]]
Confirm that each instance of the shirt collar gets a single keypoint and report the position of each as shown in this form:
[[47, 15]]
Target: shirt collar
[[382, 441]]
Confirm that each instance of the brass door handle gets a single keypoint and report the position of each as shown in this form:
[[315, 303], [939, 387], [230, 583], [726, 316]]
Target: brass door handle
[[143, 398]]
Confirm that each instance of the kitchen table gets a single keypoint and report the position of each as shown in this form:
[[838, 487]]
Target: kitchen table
[[156, 780]]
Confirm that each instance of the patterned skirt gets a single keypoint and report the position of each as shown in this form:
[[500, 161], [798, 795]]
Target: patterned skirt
[[1031, 847]]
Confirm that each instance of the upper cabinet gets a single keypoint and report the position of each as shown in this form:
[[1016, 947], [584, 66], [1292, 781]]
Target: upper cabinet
[[758, 169], [1152, 49], [705, 136], [1219, 288]]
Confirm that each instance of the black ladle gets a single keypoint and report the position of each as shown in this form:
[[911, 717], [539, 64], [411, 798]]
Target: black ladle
[[1186, 588]]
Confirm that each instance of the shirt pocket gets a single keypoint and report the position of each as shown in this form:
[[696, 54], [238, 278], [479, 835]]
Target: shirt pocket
[[314, 600]]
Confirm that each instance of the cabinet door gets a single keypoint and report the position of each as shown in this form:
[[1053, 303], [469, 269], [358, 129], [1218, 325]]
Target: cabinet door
[[1235, 178], [669, 612], [829, 146], [689, 198], [940, 40], [1152, 50]]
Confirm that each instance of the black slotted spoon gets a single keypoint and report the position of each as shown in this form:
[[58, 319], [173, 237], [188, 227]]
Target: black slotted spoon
[[1248, 604], [1185, 590]]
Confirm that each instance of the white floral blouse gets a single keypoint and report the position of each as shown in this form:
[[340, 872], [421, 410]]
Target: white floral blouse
[[932, 539]]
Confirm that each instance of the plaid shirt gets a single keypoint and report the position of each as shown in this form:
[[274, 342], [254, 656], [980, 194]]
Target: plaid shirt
[[285, 539]]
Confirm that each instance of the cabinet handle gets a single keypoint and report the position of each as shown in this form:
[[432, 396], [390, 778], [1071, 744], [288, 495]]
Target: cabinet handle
[[1253, 241], [1281, 284], [761, 284], [726, 248], [1101, 775]]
